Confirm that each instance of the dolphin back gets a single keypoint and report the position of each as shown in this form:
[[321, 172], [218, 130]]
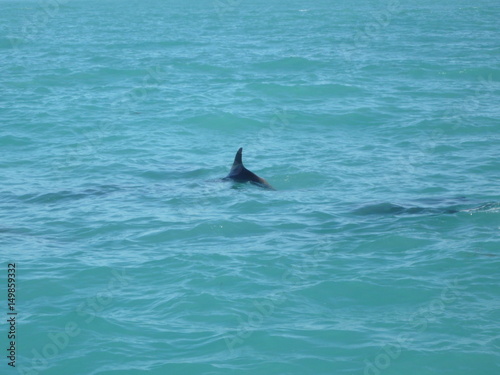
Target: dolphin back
[[239, 173]]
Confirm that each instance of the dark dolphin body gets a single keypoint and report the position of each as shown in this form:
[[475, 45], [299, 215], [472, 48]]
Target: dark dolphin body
[[239, 173]]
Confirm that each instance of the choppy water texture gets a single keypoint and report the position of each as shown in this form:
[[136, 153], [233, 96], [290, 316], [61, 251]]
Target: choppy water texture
[[378, 124]]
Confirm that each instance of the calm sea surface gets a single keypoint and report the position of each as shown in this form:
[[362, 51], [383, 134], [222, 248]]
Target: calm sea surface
[[378, 123]]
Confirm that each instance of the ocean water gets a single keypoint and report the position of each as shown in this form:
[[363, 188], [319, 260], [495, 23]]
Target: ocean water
[[376, 121]]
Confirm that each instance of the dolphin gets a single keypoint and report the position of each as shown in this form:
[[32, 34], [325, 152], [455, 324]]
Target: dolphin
[[239, 173]]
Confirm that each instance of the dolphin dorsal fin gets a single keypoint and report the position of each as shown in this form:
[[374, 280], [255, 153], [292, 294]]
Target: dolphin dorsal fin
[[237, 159], [239, 173]]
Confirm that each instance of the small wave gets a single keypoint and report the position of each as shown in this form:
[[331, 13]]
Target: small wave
[[10, 140], [306, 91], [8, 43], [67, 195], [394, 209], [490, 207], [222, 121], [289, 63]]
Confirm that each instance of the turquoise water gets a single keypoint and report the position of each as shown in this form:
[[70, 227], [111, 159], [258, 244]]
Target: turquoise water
[[377, 123]]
